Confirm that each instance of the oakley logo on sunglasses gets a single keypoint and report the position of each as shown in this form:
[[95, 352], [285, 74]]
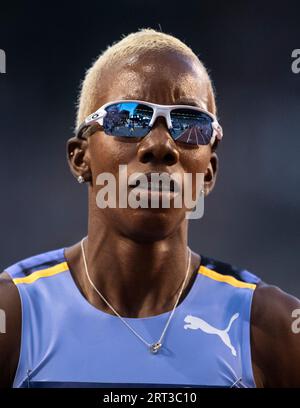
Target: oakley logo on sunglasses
[[135, 119], [152, 190]]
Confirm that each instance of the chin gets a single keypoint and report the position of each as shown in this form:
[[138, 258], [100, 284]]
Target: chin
[[148, 225]]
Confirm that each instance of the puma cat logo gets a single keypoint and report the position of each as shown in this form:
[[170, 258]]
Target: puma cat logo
[[194, 323]]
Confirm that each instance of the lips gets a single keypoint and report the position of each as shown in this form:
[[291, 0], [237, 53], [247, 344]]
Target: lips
[[155, 181]]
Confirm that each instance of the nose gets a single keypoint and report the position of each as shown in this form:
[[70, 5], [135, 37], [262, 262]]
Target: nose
[[158, 146]]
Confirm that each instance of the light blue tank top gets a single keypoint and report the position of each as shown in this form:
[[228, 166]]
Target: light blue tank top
[[67, 342]]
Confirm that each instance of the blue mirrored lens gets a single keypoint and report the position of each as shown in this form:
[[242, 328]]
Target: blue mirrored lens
[[127, 119], [193, 127]]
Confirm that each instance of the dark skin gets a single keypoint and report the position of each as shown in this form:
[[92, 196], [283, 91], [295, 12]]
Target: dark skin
[[120, 240]]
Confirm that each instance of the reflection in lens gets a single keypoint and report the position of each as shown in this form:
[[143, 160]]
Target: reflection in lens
[[129, 119], [191, 127]]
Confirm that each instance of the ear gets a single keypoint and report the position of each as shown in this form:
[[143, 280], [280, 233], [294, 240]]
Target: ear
[[78, 158], [211, 173]]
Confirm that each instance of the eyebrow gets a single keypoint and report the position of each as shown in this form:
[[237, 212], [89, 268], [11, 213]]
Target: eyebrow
[[190, 102], [181, 101]]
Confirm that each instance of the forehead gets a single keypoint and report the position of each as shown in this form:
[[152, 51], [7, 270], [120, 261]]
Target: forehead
[[160, 77]]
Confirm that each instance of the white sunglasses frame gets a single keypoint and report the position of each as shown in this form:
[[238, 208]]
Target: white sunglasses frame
[[158, 111]]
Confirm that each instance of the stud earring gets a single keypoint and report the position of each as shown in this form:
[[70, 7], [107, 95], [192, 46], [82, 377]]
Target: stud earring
[[80, 179]]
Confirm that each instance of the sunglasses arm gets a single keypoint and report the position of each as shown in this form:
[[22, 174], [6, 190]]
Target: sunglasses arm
[[218, 131], [96, 117]]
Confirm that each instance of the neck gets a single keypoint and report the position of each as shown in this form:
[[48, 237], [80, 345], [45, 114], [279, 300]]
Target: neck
[[138, 278]]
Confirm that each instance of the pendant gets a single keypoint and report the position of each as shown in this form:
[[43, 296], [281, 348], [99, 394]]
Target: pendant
[[155, 347]]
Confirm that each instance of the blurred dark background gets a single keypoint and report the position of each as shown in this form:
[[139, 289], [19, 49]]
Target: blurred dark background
[[252, 218]]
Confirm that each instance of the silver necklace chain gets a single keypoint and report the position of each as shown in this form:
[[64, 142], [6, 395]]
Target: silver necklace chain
[[155, 346]]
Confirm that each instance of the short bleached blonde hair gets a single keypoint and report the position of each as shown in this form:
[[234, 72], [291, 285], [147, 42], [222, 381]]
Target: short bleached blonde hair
[[137, 43]]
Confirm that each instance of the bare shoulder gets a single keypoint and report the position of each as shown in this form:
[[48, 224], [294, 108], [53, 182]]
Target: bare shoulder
[[10, 329], [274, 337]]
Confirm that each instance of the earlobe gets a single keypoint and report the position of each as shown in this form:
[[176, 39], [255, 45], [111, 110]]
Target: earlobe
[[77, 157]]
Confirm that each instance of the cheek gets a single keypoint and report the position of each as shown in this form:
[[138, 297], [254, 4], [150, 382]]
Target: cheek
[[196, 160], [107, 153]]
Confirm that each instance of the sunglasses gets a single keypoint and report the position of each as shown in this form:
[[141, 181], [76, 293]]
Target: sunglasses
[[135, 119]]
